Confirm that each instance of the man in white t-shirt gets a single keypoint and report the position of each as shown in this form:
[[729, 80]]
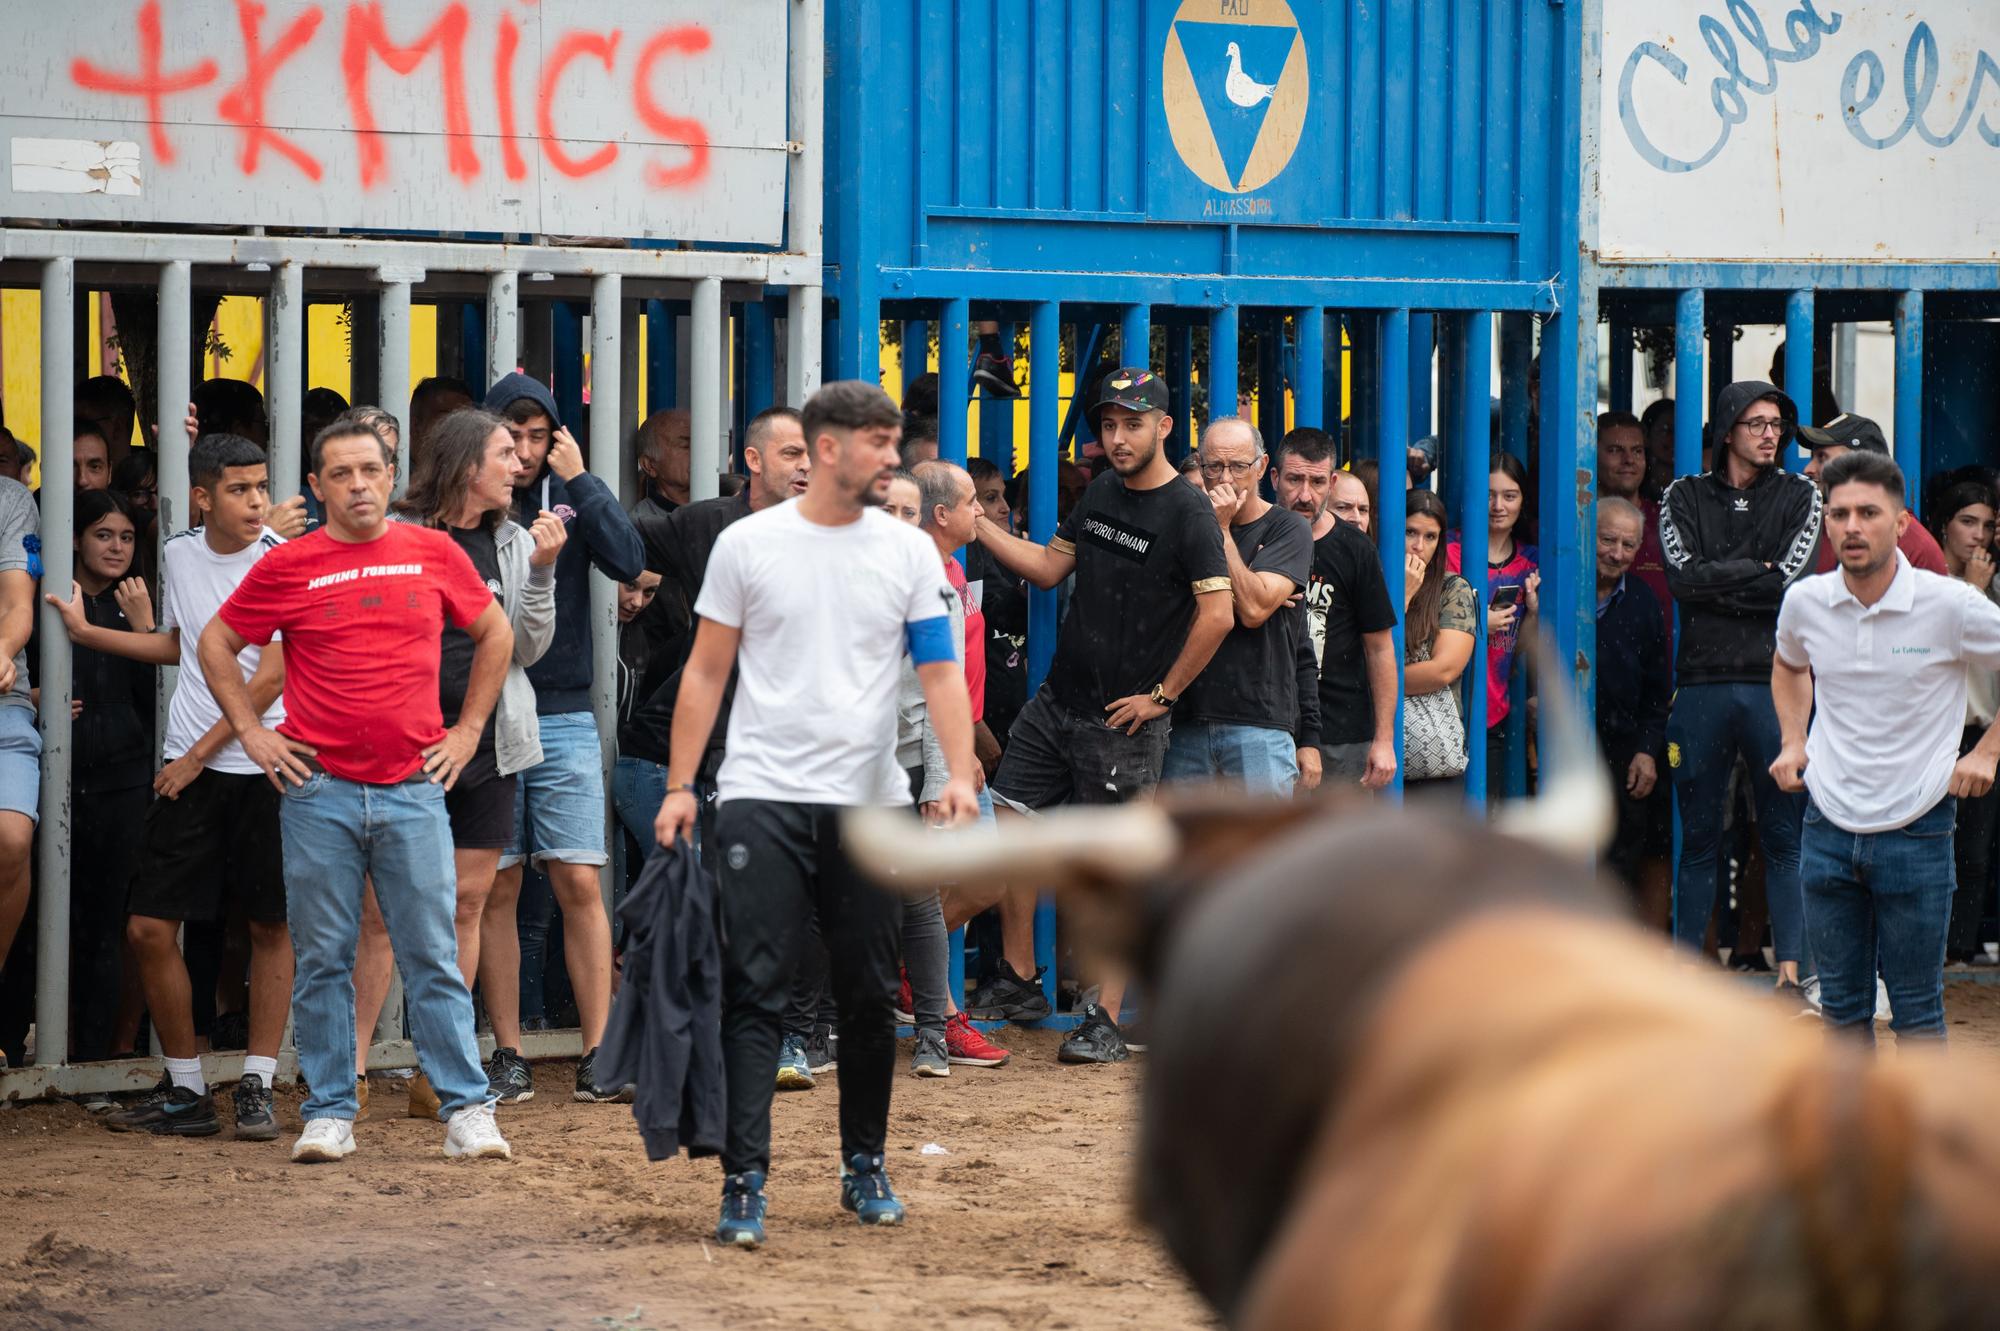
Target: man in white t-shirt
[[212, 838], [1883, 648], [814, 601]]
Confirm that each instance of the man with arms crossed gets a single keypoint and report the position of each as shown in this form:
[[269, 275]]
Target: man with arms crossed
[[1883, 648], [363, 762], [814, 603]]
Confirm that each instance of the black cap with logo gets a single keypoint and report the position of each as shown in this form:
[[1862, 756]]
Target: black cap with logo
[[1845, 431], [1133, 389]]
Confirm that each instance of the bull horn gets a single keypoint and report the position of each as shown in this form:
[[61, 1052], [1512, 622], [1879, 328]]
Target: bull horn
[[1574, 815], [1123, 843]]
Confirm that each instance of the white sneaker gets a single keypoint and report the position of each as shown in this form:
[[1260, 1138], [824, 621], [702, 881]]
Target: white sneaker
[[1882, 1010], [324, 1141], [472, 1134]]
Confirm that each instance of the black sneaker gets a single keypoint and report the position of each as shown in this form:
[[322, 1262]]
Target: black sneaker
[[254, 1120], [995, 374], [509, 1078], [171, 1111], [590, 1093], [1008, 997], [1098, 1040], [822, 1049]]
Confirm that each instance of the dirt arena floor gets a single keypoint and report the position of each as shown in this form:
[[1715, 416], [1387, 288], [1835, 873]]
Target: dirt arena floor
[[1025, 1222]]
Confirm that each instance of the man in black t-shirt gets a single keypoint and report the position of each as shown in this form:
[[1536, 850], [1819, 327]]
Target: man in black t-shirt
[[1351, 619], [1236, 722], [1150, 606]]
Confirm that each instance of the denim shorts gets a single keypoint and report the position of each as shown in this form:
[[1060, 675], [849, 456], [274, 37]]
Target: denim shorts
[[20, 761], [1058, 756], [560, 811]]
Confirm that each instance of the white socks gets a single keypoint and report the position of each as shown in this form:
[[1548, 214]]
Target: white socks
[[187, 1072], [267, 1068]]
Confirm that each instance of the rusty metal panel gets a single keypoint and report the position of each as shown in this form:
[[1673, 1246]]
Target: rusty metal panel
[[1793, 130], [633, 118]]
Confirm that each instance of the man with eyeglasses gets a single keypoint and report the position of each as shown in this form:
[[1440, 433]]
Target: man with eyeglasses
[[1237, 721], [1735, 537], [1152, 603]]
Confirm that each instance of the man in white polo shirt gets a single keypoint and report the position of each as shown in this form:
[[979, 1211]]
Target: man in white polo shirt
[[1887, 647]]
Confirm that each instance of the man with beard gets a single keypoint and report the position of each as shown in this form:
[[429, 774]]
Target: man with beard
[[1151, 605], [1348, 615], [1883, 649]]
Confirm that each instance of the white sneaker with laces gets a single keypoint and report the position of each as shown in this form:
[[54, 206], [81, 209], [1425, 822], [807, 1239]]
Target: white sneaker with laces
[[324, 1141], [472, 1134]]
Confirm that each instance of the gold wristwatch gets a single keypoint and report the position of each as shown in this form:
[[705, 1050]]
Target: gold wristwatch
[[1159, 695]]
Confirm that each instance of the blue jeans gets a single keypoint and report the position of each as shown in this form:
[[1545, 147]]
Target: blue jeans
[[1886, 896], [559, 814], [1259, 759], [637, 790], [335, 832], [1709, 725]]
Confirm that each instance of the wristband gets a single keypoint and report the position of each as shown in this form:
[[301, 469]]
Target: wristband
[[676, 787]]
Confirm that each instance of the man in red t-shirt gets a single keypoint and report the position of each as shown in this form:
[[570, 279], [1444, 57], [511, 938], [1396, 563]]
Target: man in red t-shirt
[[1845, 433], [363, 761]]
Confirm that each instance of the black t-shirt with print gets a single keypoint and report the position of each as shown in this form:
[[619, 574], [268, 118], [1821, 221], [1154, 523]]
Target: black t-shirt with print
[[455, 655], [1004, 600], [1253, 679], [1141, 558], [1346, 597]]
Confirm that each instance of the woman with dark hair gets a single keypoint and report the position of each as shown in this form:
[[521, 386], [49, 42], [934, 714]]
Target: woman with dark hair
[[1440, 617], [464, 485], [1962, 519], [111, 776], [1513, 585]]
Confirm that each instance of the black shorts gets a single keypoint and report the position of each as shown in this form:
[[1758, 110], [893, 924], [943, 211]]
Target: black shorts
[[482, 813], [1058, 756], [217, 845]]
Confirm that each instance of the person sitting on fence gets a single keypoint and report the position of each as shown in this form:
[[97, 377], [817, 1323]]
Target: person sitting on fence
[[1440, 617], [211, 840]]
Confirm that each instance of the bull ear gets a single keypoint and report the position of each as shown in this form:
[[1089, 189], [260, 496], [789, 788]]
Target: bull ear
[[1575, 814]]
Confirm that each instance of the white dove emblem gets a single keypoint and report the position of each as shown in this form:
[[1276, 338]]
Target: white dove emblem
[[1242, 89]]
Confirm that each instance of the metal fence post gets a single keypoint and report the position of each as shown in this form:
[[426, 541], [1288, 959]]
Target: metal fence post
[[1392, 379], [503, 311], [805, 192], [1135, 337], [392, 374], [1690, 403], [1044, 430], [1474, 456], [1801, 357], [284, 365], [1309, 388], [705, 389], [607, 428], [1908, 444], [58, 498], [170, 403], [1223, 374], [954, 379]]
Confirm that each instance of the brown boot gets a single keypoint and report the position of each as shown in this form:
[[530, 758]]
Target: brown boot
[[424, 1102], [360, 1099]]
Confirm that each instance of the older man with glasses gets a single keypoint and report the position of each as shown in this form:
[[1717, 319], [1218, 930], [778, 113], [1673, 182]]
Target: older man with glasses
[[1735, 537], [1238, 722]]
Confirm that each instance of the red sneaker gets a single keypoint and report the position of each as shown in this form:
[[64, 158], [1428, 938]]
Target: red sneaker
[[964, 1044], [906, 1011]]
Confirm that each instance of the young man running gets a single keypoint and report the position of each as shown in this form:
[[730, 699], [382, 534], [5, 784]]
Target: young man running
[[212, 837], [1869, 682], [814, 603], [364, 763]]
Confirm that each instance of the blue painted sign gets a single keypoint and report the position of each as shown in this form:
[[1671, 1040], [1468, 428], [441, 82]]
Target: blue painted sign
[[1236, 87]]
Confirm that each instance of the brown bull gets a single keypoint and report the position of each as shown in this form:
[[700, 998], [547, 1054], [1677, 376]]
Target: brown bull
[[1408, 1072]]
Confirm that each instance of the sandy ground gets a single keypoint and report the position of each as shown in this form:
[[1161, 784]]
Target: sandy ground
[[1024, 1224]]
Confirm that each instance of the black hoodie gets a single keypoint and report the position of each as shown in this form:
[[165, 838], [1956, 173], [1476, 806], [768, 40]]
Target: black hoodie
[[1731, 553], [599, 533]]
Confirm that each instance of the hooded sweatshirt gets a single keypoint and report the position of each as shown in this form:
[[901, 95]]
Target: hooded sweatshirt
[[599, 533], [1731, 553]]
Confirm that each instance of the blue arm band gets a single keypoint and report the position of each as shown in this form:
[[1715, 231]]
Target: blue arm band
[[930, 640]]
